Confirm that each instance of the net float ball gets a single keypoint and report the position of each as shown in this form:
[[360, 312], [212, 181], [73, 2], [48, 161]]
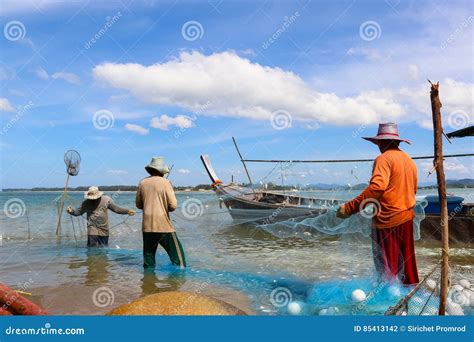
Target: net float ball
[[431, 284], [465, 283], [323, 312], [358, 296], [454, 309], [332, 310], [456, 288], [294, 308]]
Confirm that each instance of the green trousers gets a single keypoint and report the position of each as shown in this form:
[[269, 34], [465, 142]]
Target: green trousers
[[171, 244]]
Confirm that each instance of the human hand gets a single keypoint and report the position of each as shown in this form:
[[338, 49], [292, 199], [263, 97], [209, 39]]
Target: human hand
[[341, 213], [131, 212], [69, 210]]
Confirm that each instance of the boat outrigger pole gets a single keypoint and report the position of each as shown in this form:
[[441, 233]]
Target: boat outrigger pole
[[243, 162]]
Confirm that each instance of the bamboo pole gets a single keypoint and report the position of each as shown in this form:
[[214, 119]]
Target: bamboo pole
[[58, 228], [438, 163], [242, 160]]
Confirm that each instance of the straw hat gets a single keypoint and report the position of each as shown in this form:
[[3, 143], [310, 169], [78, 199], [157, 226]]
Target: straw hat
[[387, 131], [158, 164], [93, 193]]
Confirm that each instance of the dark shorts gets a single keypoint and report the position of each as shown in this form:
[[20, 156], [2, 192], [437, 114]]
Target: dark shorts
[[97, 241]]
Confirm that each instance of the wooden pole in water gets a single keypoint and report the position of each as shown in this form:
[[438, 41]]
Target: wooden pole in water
[[438, 164], [58, 228]]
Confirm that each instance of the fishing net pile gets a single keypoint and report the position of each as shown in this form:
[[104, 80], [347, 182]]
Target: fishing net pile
[[424, 299]]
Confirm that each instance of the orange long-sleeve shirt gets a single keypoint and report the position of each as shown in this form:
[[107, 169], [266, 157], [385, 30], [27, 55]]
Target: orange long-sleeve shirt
[[393, 185]]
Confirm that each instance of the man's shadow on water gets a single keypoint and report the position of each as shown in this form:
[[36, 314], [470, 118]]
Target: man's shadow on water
[[96, 263], [172, 279]]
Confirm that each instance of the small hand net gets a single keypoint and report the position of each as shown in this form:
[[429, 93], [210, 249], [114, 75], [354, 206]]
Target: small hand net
[[72, 159]]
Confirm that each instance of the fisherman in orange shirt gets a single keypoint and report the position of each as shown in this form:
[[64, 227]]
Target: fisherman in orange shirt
[[392, 191]]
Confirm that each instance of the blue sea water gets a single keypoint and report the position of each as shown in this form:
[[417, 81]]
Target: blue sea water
[[237, 263]]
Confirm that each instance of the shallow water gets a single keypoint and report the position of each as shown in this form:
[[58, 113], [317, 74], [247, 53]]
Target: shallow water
[[237, 263]]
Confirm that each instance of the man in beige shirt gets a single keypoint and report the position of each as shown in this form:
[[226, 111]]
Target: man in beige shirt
[[155, 195]]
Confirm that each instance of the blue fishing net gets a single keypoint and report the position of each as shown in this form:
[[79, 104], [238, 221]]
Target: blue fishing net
[[328, 223]]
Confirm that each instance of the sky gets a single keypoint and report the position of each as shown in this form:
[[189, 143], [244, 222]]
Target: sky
[[123, 81]]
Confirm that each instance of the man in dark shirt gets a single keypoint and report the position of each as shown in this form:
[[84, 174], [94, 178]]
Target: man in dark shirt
[[96, 206]]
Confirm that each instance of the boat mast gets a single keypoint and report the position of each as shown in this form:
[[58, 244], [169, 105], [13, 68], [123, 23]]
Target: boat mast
[[243, 162], [440, 177]]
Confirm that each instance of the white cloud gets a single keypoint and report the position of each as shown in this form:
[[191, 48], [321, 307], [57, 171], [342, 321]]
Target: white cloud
[[164, 122], [456, 97], [5, 105], [453, 167], [41, 73], [225, 84], [184, 171], [117, 172], [66, 76], [137, 129]]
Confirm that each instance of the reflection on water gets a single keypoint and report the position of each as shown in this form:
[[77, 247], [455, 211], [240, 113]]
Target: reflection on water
[[221, 255]]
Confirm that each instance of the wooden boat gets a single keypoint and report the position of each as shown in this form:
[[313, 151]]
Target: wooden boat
[[260, 206]]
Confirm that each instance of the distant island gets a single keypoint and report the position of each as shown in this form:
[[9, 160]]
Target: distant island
[[451, 183]]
